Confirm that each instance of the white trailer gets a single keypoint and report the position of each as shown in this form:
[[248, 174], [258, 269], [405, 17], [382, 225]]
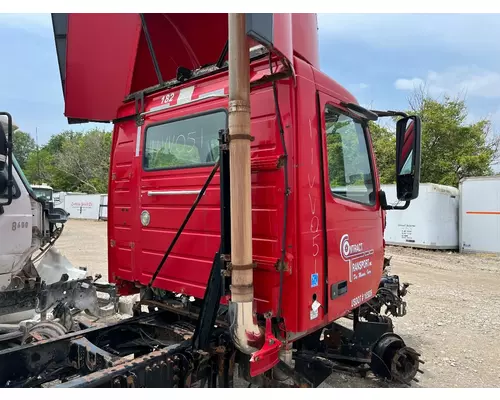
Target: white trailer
[[85, 206], [480, 214], [430, 222], [59, 197]]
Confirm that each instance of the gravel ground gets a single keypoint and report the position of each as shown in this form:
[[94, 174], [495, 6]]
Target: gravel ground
[[453, 315]]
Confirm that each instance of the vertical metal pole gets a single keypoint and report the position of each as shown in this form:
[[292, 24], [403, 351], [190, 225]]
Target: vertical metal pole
[[244, 330]]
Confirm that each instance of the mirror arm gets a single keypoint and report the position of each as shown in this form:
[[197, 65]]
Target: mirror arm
[[356, 108], [385, 206], [403, 207], [390, 113]]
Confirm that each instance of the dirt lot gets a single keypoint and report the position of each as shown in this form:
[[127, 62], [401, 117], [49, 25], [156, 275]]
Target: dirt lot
[[453, 308]]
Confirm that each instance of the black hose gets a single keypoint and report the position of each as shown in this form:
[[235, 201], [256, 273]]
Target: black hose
[[286, 194]]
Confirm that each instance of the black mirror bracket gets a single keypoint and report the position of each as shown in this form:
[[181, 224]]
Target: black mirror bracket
[[385, 206]]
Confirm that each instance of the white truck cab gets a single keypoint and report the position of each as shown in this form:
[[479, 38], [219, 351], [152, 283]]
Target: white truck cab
[[29, 226]]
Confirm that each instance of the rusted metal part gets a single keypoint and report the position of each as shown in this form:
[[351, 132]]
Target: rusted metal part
[[281, 266], [392, 359], [44, 330], [85, 356], [80, 294], [47, 352], [162, 368], [240, 136], [21, 299], [234, 267]]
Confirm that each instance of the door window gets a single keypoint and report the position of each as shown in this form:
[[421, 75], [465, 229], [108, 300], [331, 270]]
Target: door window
[[349, 167], [182, 143]]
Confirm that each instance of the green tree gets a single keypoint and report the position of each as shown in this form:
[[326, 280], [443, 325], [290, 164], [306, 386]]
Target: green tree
[[38, 168], [24, 146], [84, 159], [452, 148], [73, 161]]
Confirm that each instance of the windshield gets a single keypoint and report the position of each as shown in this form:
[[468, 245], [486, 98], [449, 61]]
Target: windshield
[[45, 194]]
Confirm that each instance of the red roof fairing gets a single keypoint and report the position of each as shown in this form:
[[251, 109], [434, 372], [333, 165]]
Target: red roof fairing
[[187, 40], [105, 57], [100, 54]]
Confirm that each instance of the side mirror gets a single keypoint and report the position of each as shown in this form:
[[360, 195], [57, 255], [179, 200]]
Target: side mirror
[[408, 144], [6, 156]]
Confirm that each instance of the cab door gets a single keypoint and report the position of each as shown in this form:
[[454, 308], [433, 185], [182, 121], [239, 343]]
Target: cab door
[[354, 235], [179, 151]]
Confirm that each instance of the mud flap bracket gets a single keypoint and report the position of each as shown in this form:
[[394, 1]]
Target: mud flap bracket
[[268, 356]]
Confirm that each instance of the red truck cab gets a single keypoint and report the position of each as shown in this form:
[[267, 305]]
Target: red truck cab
[[317, 208]]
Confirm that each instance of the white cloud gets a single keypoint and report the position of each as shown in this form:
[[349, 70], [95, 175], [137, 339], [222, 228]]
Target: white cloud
[[471, 81], [408, 84]]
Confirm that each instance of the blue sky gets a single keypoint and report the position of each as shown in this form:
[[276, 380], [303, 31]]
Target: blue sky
[[380, 58]]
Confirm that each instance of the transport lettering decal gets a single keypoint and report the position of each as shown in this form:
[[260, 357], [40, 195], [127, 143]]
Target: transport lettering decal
[[357, 257]]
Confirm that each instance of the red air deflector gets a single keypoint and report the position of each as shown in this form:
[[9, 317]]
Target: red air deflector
[[103, 58]]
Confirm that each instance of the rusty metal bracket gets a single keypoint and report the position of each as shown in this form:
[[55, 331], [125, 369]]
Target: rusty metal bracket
[[139, 108], [234, 267], [242, 136], [223, 139], [281, 266]]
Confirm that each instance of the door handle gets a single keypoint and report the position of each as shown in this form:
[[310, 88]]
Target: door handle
[[173, 192]]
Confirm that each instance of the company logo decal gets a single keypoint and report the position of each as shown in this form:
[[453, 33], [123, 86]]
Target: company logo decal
[[357, 256]]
